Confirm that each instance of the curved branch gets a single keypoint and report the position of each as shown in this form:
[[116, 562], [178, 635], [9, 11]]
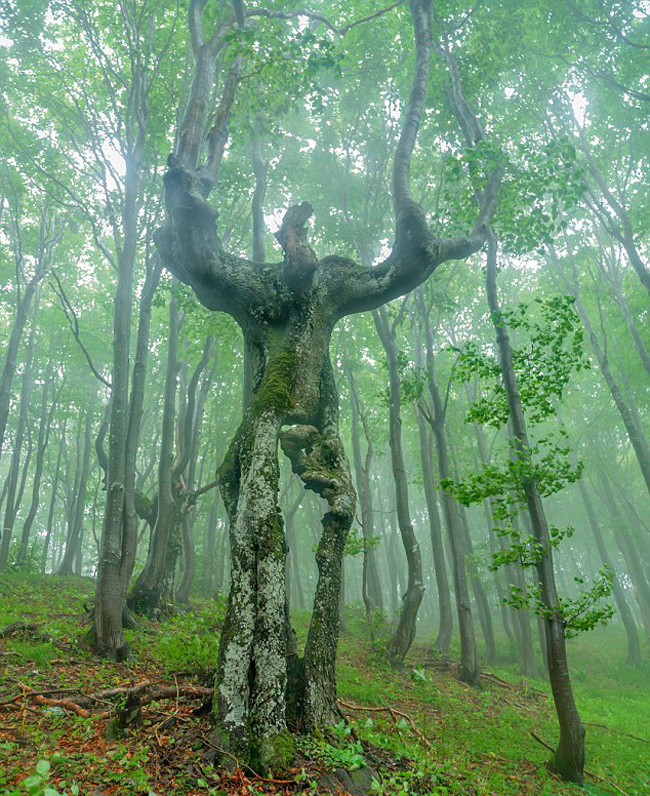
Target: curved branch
[[416, 252]]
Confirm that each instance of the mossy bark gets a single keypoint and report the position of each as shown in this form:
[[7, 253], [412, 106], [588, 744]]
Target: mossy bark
[[262, 684]]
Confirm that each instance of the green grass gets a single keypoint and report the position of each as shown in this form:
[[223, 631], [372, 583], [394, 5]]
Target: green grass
[[479, 741]]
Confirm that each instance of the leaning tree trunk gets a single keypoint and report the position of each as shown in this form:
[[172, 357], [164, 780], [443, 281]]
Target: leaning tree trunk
[[569, 758]]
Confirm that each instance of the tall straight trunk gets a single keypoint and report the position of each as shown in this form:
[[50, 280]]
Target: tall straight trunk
[[13, 491], [633, 646], [44, 427], [371, 589], [136, 404], [446, 626], [393, 570], [191, 420], [507, 618], [147, 594], [67, 566], [53, 495], [468, 658], [569, 757], [515, 578], [293, 559], [404, 634], [480, 597], [115, 560], [445, 616]]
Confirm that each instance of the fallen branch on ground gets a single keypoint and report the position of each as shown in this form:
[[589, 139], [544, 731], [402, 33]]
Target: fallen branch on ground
[[393, 713], [144, 693]]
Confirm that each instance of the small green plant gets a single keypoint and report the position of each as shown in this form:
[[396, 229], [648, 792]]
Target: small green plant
[[36, 784], [348, 754], [190, 642]]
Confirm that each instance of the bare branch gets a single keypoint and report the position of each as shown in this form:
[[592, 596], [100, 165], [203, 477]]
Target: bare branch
[[73, 323]]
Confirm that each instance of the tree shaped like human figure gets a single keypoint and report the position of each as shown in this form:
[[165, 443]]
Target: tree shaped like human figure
[[286, 312]]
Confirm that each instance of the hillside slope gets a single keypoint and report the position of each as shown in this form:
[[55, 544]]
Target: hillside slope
[[422, 730]]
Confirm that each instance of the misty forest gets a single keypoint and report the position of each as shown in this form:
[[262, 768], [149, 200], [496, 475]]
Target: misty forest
[[324, 397]]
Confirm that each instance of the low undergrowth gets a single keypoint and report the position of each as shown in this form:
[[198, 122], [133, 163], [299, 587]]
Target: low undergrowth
[[411, 733]]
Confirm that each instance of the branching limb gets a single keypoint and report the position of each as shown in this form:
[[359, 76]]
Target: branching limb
[[73, 323]]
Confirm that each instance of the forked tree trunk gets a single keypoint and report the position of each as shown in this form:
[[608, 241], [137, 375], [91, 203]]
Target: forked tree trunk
[[287, 313], [569, 758]]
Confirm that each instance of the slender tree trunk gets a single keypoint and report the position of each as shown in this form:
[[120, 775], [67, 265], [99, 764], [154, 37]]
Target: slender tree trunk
[[43, 438], [404, 634], [147, 594], [53, 495], [443, 639], [209, 561], [371, 590], [480, 597], [468, 658], [629, 415], [67, 566], [568, 760], [13, 499], [49, 236], [633, 563], [116, 557]]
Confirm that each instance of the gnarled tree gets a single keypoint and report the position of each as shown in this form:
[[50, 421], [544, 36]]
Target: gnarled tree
[[286, 312]]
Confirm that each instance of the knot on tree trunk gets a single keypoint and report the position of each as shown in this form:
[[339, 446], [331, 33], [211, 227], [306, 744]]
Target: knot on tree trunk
[[299, 258], [313, 457]]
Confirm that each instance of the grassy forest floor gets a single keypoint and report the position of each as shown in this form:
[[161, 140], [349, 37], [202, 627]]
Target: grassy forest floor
[[441, 737]]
